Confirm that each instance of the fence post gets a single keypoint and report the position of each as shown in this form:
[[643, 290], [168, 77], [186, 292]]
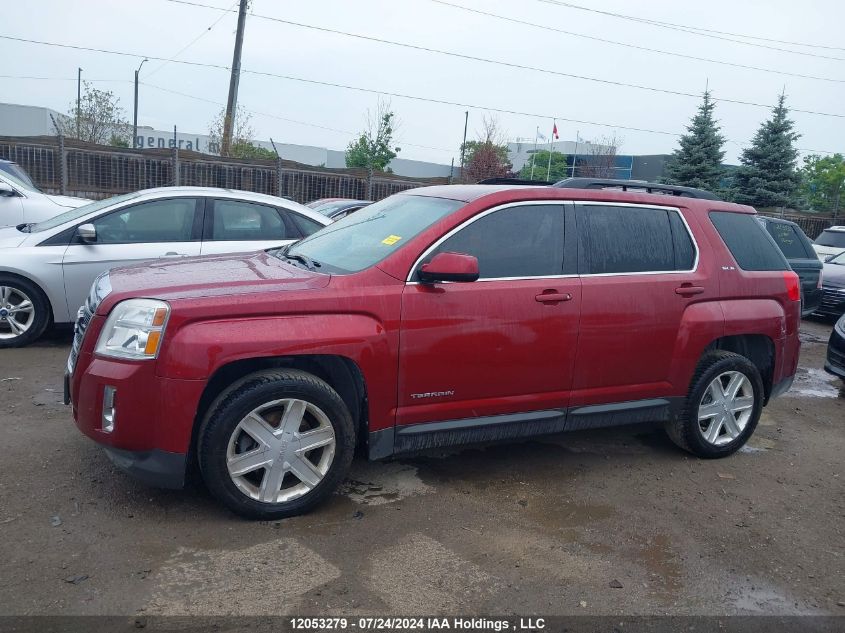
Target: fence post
[[62, 166], [175, 162], [279, 176]]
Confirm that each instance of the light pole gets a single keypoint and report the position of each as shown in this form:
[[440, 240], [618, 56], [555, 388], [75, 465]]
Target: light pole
[[78, 103], [135, 118]]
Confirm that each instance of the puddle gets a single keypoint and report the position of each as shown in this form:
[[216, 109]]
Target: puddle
[[375, 483], [814, 383], [758, 600]]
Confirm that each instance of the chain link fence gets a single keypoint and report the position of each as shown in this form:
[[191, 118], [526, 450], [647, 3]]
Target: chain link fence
[[65, 166]]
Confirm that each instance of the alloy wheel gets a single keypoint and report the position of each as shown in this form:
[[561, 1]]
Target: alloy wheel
[[725, 408], [17, 312], [281, 450]]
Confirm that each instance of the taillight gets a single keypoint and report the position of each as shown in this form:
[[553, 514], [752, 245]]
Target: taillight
[[793, 285]]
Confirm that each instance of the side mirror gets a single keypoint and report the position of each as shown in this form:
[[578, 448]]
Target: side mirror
[[87, 233], [6, 190], [449, 267]]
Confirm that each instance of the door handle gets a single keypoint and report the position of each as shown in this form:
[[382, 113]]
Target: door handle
[[688, 290], [552, 296]]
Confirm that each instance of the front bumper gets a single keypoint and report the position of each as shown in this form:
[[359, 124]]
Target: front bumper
[[835, 361], [832, 302], [155, 468]]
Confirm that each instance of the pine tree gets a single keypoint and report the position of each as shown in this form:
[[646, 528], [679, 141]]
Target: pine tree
[[698, 160], [768, 176]]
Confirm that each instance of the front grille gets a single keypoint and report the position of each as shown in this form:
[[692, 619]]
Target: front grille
[[833, 301], [83, 319]]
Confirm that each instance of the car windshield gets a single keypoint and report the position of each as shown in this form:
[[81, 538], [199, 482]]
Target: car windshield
[[831, 238], [366, 237], [14, 179], [839, 260], [329, 207], [78, 212]]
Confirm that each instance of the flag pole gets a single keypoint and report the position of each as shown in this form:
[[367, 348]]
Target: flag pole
[[536, 134], [551, 149]]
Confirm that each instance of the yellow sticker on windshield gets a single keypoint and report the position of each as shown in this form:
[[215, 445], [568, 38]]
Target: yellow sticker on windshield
[[390, 240]]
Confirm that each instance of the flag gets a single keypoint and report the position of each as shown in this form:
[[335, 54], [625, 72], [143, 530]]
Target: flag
[[541, 136], [554, 131]]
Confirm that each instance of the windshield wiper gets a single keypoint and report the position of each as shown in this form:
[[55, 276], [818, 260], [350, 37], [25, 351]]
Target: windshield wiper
[[310, 264]]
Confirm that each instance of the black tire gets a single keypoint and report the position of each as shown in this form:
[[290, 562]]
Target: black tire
[[40, 319], [686, 432], [235, 404]]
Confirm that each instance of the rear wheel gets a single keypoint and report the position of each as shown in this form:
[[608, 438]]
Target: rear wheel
[[276, 445], [24, 311], [722, 408]]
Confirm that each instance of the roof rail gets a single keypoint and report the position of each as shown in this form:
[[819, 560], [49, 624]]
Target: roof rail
[[634, 185], [515, 181]]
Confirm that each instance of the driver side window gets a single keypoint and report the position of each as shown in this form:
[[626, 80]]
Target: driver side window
[[149, 222], [518, 241]]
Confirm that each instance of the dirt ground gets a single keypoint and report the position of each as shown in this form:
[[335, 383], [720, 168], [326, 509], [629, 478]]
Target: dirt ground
[[598, 522]]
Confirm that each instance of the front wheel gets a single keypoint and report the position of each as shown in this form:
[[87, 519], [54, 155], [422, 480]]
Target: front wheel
[[24, 311], [276, 445], [722, 408]]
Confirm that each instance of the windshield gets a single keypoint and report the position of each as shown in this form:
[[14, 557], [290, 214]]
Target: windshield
[[78, 212], [14, 178], [839, 260], [330, 207], [831, 238], [366, 237]]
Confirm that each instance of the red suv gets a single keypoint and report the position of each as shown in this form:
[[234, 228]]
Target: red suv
[[435, 317]]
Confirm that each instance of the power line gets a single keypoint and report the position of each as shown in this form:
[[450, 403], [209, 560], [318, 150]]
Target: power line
[[635, 46], [485, 60], [191, 43], [698, 31], [410, 97]]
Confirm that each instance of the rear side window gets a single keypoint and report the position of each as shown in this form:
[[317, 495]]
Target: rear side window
[[748, 242], [788, 239], [629, 239]]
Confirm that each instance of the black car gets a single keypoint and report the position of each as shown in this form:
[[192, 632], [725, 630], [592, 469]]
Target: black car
[[833, 287], [798, 250], [835, 363]]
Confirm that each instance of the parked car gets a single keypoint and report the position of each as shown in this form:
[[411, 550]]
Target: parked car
[[830, 242], [338, 209], [22, 203], [435, 317], [798, 250], [833, 287], [321, 201], [835, 362], [47, 268], [18, 172]]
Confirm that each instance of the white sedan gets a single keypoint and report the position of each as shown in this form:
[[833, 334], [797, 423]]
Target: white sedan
[[47, 268], [21, 202]]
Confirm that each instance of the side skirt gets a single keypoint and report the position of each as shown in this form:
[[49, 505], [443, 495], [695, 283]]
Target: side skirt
[[417, 437]]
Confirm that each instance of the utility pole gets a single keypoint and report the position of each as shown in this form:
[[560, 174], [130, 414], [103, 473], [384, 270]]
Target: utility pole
[[135, 118], [464, 144], [232, 102], [79, 103]]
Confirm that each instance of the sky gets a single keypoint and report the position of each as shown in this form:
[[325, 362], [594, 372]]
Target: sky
[[296, 111]]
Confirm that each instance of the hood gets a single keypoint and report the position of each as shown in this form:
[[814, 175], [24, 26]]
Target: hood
[[210, 276], [833, 275], [10, 237], [67, 201]]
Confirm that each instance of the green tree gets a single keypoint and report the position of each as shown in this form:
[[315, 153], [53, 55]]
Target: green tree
[[767, 176], [101, 118], [373, 149], [823, 182], [561, 167], [698, 160], [242, 145]]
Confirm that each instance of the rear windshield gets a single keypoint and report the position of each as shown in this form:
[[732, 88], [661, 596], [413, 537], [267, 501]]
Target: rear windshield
[[749, 243], [791, 240], [831, 238]]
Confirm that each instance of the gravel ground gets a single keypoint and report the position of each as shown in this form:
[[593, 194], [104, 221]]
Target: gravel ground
[[599, 522]]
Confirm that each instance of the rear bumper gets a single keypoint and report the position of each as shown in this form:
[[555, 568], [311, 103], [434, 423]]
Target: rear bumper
[[155, 468]]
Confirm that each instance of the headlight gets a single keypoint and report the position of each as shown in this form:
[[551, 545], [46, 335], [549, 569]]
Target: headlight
[[100, 289], [134, 329]]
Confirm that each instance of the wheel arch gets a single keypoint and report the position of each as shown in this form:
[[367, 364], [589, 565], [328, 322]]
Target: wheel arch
[[757, 348]]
